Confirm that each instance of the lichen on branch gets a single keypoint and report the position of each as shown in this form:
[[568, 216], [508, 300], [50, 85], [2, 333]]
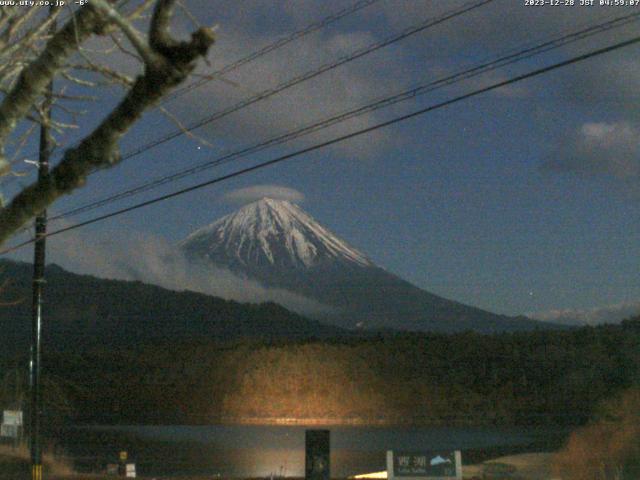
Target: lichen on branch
[[170, 63]]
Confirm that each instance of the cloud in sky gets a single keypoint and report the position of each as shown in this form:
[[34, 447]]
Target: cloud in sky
[[464, 40], [335, 91], [606, 140], [600, 148], [608, 314], [610, 83], [151, 259], [256, 192]]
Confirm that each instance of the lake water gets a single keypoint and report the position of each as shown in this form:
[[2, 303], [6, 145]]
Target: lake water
[[262, 451]]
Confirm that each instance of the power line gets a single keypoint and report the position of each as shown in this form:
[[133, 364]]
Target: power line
[[271, 47], [326, 21], [342, 138], [428, 23], [311, 74], [382, 103], [69, 16]]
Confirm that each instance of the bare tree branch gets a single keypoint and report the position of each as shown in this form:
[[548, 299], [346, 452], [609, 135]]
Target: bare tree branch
[[128, 29], [38, 74], [184, 128], [172, 62]]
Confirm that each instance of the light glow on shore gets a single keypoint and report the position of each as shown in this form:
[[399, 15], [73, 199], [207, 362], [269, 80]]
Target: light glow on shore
[[382, 474]]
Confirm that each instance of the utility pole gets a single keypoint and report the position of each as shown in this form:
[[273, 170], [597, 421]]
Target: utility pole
[[36, 312], [38, 287]]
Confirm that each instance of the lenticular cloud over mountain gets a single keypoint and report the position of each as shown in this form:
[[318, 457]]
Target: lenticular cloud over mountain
[[242, 196], [278, 244]]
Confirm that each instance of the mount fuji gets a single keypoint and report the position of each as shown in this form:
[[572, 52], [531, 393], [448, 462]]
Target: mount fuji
[[278, 244]]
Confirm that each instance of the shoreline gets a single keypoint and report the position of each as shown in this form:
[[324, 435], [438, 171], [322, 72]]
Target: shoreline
[[472, 457], [544, 442], [339, 422], [529, 466]]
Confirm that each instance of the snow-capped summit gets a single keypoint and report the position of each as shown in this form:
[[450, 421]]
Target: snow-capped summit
[[279, 245], [270, 233]]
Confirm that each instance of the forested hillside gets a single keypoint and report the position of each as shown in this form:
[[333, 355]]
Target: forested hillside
[[554, 377], [84, 312]]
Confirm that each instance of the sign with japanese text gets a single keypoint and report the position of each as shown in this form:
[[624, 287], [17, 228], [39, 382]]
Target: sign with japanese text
[[433, 465]]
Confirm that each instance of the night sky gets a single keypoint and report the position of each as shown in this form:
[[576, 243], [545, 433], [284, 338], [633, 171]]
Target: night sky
[[523, 200]]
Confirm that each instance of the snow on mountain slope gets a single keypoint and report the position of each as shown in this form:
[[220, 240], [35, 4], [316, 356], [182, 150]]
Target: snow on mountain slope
[[279, 245], [271, 232]]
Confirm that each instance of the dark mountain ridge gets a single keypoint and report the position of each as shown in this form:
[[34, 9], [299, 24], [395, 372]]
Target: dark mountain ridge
[[81, 312]]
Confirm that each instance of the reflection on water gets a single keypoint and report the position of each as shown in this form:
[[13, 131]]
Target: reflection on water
[[255, 451]]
